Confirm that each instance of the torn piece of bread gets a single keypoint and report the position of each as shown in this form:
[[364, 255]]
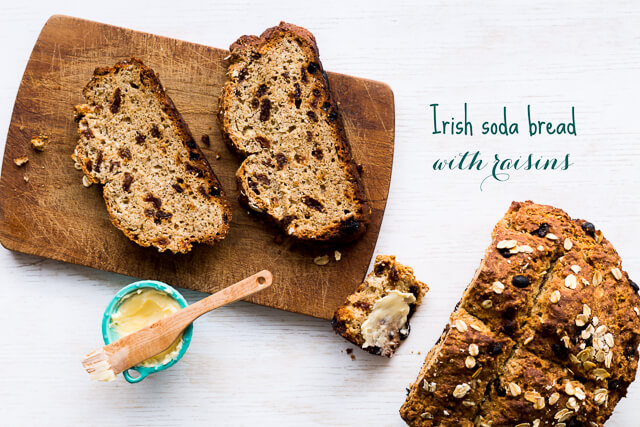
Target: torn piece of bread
[[376, 316], [158, 187], [277, 111]]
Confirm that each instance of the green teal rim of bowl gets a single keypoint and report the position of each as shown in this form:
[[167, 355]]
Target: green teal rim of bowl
[[144, 371]]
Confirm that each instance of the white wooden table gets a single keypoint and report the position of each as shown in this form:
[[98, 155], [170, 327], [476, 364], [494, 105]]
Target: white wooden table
[[250, 365]]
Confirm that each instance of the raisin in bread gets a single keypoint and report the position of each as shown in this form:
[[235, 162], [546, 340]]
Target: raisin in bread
[[552, 289], [158, 187], [277, 111], [376, 316]]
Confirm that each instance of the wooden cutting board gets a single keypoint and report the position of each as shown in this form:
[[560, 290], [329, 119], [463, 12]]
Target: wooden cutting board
[[54, 216]]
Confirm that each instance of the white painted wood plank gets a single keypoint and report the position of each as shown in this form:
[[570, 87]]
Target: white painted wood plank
[[251, 365]]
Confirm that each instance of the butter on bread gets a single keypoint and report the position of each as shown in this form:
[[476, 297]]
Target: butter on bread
[[376, 316]]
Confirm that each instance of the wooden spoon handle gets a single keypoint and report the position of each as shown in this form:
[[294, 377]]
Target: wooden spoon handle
[[235, 292], [157, 337]]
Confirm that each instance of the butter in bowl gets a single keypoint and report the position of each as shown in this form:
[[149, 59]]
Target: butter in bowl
[[147, 327], [139, 305]]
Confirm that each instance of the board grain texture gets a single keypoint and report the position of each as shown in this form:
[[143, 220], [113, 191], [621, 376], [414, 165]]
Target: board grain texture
[[53, 215]]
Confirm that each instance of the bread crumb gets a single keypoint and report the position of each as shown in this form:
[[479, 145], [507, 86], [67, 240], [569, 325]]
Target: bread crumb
[[218, 156], [349, 350], [26, 178], [321, 260], [353, 357], [21, 161], [337, 255], [205, 140], [39, 142], [86, 182]]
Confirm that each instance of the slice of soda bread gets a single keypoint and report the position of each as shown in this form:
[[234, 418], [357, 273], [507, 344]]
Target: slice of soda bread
[[158, 187], [277, 111]]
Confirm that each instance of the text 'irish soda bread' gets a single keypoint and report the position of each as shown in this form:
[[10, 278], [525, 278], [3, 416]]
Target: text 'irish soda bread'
[[158, 187], [546, 334], [276, 110], [376, 316]]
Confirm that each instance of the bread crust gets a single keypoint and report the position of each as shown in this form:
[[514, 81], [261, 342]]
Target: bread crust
[[196, 157], [344, 231]]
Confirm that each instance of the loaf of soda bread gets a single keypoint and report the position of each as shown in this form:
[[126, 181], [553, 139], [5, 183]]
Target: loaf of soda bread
[[552, 290], [376, 316], [277, 111], [158, 186]]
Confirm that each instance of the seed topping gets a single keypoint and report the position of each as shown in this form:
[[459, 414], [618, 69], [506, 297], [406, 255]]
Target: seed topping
[[470, 362], [497, 287], [473, 349], [571, 282], [514, 389], [487, 304], [617, 274], [461, 390], [507, 244], [460, 325]]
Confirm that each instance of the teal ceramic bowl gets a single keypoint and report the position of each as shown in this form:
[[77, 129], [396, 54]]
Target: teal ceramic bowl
[[109, 335]]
